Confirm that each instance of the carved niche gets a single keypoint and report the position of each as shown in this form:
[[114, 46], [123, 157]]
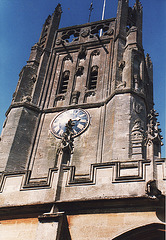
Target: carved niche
[[138, 71], [137, 139]]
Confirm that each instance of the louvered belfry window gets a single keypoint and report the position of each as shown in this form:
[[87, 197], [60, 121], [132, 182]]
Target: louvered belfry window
[[64, 82], [93, 77]]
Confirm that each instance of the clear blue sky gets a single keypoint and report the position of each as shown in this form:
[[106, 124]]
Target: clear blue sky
[[21, 23]]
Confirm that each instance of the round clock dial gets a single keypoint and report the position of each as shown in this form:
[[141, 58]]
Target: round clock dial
[[79, 117]]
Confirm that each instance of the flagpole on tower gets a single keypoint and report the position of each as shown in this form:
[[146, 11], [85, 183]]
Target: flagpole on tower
[[102, 18]]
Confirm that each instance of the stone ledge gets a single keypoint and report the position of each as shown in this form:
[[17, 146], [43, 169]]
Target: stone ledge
[[23, 104], [50, 217]]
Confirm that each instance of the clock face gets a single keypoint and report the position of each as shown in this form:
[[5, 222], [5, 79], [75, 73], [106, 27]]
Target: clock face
[[79, 117]]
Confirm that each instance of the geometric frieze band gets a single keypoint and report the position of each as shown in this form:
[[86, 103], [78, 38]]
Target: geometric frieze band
[[120, 172]]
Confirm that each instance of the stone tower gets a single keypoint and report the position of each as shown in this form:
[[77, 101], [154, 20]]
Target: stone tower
[[80, 148]]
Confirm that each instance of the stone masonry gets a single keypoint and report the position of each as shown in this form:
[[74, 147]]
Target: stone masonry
[[106, 181]]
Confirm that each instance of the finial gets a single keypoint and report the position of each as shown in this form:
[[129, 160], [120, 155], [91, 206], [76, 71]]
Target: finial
[[153, 131], [138, 5], [148, 60], [58, 9], [48, 20]]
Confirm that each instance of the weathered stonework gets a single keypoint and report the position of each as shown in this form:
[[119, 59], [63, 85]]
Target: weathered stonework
[[108, 181]]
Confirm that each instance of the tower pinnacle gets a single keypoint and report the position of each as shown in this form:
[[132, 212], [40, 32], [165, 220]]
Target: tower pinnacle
[[138, 5], [58, 8]]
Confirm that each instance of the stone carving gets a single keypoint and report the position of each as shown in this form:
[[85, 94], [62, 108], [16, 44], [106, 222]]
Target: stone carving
[[67, 139], [136, 81], [60, 97], [75, 97], [153, 140], [137, 131], [152, 190], [138, 71], [94, 69], [58, 41], [121, 64], [26, 98], [82, 52], [110, 32], [137, 138], [79, 71], [34, 77], [90, 93], [66, 74], [66, 58], [95, 53], [153, 131], [85, 32], [121, 85], [137, 107]]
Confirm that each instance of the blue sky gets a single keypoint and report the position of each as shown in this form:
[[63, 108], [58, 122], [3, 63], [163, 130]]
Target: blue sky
[[21, 23]]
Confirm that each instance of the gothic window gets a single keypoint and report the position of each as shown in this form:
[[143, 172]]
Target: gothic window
[[64, 82], [93, 77]]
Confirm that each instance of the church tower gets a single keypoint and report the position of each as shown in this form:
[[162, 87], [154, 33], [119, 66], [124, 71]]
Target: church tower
[[80, 150]]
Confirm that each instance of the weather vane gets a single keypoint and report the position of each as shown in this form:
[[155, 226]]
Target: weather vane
[[90, 9]]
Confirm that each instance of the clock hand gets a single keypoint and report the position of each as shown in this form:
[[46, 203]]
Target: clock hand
[[77, 119]]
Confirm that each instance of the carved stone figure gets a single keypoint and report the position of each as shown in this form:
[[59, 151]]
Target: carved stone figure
[[67, 140], [152, 190], [153, 136], [75, 97], [95, 53], [137, 107], [137, 130], [85, 32], [153, 131], [26, 98], [79, 70], [82, 52]]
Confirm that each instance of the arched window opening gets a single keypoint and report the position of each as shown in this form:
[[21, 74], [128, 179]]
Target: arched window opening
[[154, 231], [64, 82], [93, 77]]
